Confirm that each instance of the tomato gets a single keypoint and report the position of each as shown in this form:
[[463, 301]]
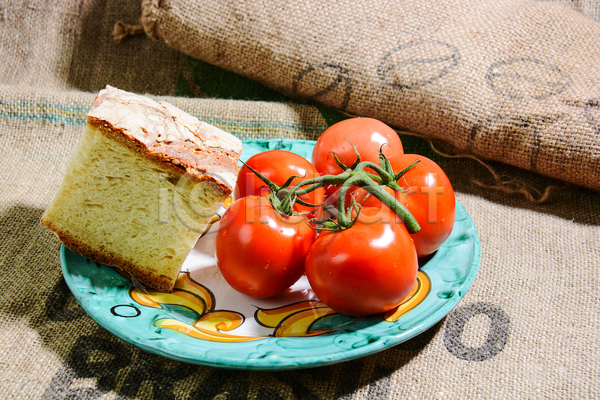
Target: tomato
[[260, 252], [430, 199], [278, 166], [368, 135], [366, 269]]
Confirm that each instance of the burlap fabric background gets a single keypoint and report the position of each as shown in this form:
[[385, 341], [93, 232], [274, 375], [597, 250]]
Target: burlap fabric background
[[514, 81], [528, 328]]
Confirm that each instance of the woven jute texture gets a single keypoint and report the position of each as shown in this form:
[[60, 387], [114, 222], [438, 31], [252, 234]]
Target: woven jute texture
[[513, 81], [67, 45], [527, 328]]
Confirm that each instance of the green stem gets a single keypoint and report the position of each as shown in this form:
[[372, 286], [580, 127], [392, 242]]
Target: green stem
[[368, 164], [400, 173], [345, 220], [392, 203], [309, 189], [283, 198], [319, 181]]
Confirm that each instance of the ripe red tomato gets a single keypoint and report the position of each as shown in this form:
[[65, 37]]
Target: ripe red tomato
[[368, 135], [278, 166], [430, 199], [260, 252], [366, 269]]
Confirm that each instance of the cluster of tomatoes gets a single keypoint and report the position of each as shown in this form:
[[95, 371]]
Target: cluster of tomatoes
[[365, 267]]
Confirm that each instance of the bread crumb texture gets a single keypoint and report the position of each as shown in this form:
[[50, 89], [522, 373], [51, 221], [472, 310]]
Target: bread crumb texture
[[126, 205]]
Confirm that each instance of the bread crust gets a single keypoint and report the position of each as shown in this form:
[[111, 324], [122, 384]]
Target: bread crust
[[168, 136], [131, 271], [172, 140]]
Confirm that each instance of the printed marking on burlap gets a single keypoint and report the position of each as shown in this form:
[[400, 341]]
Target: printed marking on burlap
[[533, 141], [592, 113], [96, 366], [590, 109], [417, 64], [327, 83], [527, 78], [512, 135], [495, 340]]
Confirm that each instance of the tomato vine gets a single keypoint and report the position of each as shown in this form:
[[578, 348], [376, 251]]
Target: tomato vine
[[283, 197]]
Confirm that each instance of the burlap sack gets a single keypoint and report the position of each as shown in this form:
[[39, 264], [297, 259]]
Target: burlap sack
[[67, 45], [527, 328], [514, 81]]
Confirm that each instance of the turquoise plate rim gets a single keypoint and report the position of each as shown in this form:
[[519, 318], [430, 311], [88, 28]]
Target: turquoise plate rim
[[451, 271]]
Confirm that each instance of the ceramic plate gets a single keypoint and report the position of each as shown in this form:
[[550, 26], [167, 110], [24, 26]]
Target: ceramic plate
[[203, 321]]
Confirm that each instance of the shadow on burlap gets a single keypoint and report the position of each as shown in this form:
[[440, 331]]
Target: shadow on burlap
[[51, 347], [528, 319]]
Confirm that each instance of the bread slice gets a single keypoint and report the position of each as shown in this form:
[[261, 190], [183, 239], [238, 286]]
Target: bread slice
[[143, 183]]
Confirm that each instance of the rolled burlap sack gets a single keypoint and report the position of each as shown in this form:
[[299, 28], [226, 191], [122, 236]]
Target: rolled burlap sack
[[513, 81]]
